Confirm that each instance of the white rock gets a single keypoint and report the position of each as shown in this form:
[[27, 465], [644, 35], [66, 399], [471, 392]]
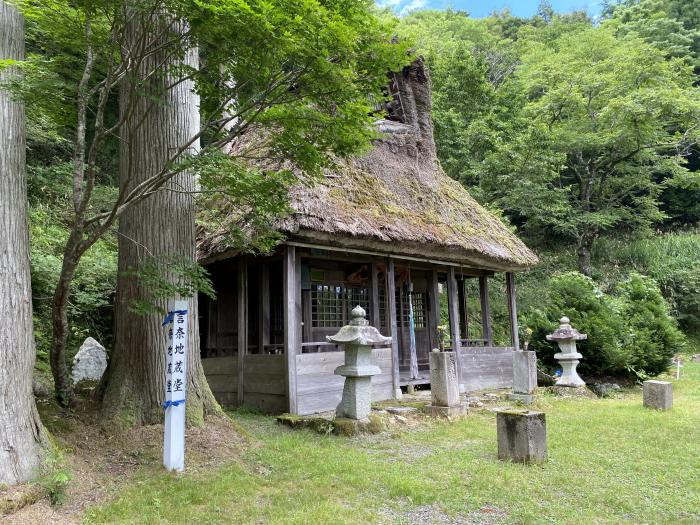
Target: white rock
[[90, 362]]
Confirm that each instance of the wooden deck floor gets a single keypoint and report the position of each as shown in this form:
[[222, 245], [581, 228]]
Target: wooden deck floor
[[423, 379]]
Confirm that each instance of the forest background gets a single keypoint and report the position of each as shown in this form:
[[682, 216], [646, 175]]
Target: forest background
[[580, 134]]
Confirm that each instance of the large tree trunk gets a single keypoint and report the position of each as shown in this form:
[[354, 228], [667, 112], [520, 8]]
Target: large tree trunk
[[163, 224], [21, 432]]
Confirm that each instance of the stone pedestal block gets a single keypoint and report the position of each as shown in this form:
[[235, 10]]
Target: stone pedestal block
[[522, 436], [658, 395], [524, 372], [444, 383], [444, 386]]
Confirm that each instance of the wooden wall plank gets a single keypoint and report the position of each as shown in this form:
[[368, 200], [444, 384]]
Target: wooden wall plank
[[220, 365], [266, 363], [269, 404], [320, 390], [487, 367], [222, 384]]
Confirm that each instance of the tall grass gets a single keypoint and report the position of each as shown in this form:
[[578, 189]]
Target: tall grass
[[673, 260], [656, 256]]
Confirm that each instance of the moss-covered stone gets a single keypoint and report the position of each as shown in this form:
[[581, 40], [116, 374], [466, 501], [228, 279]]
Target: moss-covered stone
[[346, 427], [339, 426]]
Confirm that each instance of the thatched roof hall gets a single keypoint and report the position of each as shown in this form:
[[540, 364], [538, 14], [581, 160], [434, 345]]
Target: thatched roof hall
[[396, 200]]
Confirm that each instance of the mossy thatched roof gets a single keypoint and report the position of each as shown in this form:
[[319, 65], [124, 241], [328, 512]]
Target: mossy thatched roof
[[397, 200]]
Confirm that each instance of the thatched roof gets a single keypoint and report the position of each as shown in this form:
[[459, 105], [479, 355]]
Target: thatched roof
[[397, 200]]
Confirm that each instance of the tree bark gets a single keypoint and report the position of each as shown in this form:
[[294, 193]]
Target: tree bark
[[63, 384], [21, 433], [583, 251], [163, 224]]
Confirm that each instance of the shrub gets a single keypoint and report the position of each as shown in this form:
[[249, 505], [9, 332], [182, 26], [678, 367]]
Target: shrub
[[629, 333], [90, 310], [591, 312], [654, 335]]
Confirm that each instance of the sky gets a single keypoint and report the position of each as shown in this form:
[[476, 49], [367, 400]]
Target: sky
[[480, 8]]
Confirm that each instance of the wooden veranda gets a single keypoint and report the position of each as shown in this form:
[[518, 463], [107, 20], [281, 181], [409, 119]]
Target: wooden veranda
[[264, 337]]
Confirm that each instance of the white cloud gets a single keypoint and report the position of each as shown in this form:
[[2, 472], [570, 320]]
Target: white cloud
[[412, 6], [402, 7]]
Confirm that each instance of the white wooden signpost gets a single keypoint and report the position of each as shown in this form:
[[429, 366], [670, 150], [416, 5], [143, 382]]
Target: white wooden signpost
[[175, 386]]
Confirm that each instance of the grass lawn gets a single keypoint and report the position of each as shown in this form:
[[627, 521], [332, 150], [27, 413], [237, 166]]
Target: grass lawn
[[611, 461]]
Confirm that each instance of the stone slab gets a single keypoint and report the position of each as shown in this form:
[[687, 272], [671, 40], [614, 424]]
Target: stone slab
[[658, 395], [525, 399], [449, 412], [522, 436], [401, 410], [582, 392]]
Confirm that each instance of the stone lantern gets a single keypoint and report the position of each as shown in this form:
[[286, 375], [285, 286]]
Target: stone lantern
[[566, 336], [357, 338]]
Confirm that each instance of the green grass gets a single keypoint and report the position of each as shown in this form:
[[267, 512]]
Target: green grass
[[611, 461]]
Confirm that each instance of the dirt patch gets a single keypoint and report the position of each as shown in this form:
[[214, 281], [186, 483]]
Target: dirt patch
[[100, 460], [435, 515]]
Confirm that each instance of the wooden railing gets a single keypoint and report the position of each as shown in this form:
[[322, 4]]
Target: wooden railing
[[473, 342]]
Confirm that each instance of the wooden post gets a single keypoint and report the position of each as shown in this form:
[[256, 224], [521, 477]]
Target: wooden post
[[374, 295], [391, 324], [512, 310], [485, 310], [462, 297], [434, 306], [453, 308], [292, 288], [264, 310], [242, 304]]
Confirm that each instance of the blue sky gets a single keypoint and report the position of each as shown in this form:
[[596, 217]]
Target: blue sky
[[479, 8]]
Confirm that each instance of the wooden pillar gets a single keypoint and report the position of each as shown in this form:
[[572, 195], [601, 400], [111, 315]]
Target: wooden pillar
[[462, 297], [485, 310], [292, 329], [264, 310], [434, 308], [242, 302], [374, 296], [512, 311], [453, 309], [392, 326]]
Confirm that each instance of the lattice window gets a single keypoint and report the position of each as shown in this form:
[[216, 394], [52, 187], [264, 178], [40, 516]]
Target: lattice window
[[357, 296], [326, 306], [419, 317], [331, 304], [382, 307], [419, 312]]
